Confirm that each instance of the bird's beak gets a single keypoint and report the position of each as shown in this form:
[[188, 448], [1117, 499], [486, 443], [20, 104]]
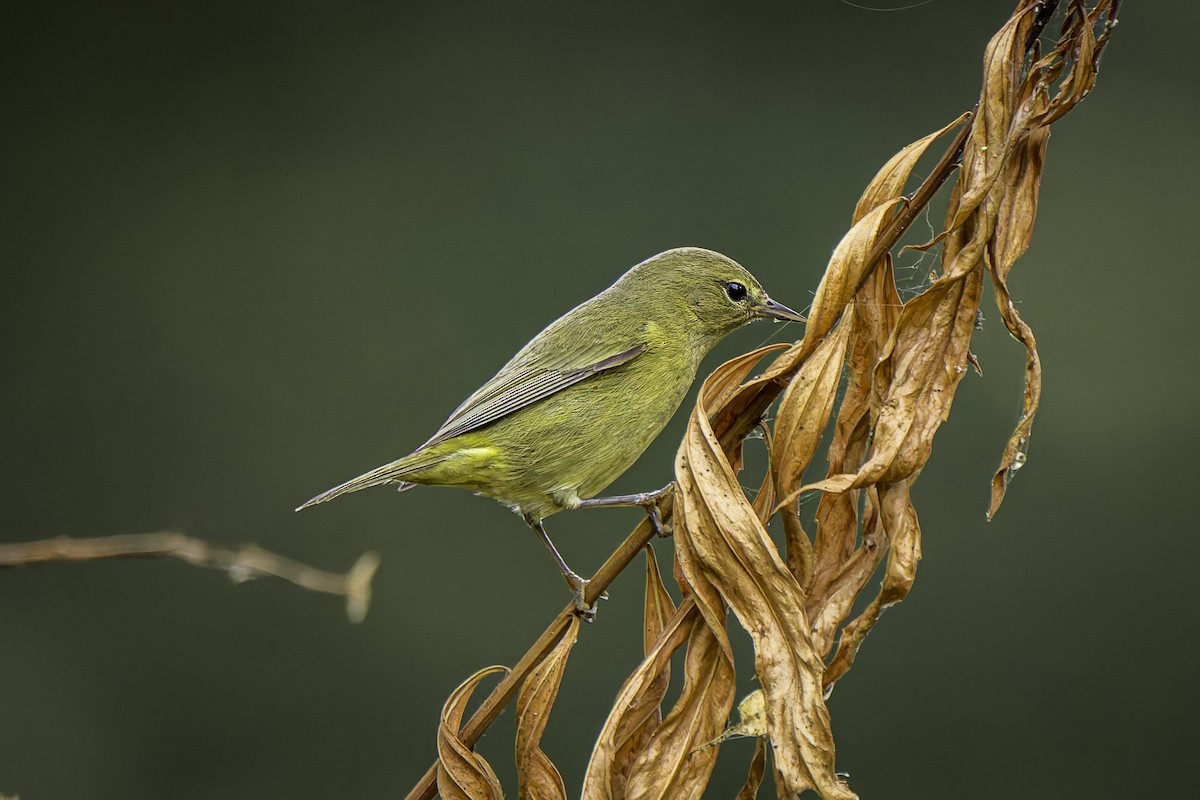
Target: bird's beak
[[769, 309]]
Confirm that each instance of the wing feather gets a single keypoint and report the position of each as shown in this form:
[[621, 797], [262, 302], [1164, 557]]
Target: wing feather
[[523, 382]]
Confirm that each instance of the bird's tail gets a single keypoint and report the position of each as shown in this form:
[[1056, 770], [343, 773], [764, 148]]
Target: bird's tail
[[388, 473]]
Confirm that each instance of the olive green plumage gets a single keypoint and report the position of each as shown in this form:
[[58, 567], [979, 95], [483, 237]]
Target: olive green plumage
[[578, 404]]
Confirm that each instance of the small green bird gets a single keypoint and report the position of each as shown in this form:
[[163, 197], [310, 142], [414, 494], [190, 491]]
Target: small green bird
[[577, 405]]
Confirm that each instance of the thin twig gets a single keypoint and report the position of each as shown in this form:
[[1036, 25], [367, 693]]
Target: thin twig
[[1041, 18], [242, 563]]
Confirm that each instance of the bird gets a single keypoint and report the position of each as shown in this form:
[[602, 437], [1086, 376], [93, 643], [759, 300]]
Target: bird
[[578, 404]]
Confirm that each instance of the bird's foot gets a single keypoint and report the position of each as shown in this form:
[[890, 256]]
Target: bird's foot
[[662, 528], [648, 501], [650, 504], [578, 587]]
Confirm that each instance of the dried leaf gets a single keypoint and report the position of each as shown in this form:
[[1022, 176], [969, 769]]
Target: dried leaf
[[899, 521], [803, 414], [889, 182], [805, 408], [537, 777], [722, 545], [463, 774], [643, 714], [673, 765], [1014, 229], [837, 514], [1023, 123], [781, 789], [837, 575], [737, 412], [834, 595], [660, 608], [636, 712], [987, 148], [727, 379], [1017, 209], [917, 380], [798, 548], [758, 766], [764, 498], [847, 269]]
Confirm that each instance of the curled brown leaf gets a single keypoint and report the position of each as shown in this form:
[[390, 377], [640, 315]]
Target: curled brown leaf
[[638, 712], [537, 777], [727, 557], [888, 183], [899, 522], [675, 765], [839, 571], [805, 407], [758, 767], [463, 774], [764, 498]]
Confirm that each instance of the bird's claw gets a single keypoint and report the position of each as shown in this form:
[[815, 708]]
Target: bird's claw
[[650, 504], [662, 528], [578, 587]]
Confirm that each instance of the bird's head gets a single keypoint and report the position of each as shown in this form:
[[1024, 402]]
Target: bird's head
[[712, 293]]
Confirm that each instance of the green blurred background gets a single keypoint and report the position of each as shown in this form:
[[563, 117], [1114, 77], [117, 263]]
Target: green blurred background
[[252, 249]]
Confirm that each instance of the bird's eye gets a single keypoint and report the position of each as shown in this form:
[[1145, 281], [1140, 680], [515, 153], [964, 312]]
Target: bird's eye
[[735, 291]]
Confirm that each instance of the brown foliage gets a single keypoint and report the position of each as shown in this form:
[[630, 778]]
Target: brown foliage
[[900, 364], [461, 772], [539, 779], [638, 713]]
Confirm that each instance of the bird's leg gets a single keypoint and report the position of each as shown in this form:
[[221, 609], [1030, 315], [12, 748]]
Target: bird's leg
[[646, 500], [575, 583]]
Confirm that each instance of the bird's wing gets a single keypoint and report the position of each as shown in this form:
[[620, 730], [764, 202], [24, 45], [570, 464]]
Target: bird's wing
[[532, 375]]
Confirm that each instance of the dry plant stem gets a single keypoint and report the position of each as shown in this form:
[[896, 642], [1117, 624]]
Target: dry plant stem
[[507, 689], [242, 563], [733, 422], [491, 707]]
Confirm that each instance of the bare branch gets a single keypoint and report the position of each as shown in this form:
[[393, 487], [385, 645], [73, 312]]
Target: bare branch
[[242, 563]]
